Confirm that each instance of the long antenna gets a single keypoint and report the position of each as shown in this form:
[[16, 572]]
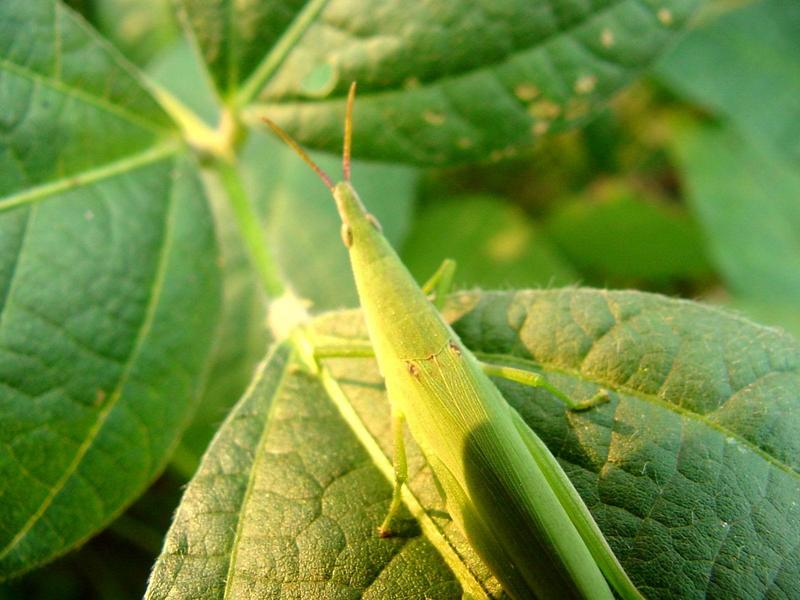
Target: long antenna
[[348, 131], [302, 153]]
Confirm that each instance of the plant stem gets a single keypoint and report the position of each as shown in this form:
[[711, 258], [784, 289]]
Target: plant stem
[[250, 228], [277, 55]]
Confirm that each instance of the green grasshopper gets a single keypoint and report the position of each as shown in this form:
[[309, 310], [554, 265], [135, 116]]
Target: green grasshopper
[[501, 485]]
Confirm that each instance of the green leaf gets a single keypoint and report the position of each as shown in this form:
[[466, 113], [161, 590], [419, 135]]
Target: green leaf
[[439, 82], [691, 470], [301, 222], [108, 284], [494, 244], [744, 66], [746, 197], [618, 235], [58, 79]]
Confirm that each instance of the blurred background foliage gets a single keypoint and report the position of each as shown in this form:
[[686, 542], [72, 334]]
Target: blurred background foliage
[[687, 184]]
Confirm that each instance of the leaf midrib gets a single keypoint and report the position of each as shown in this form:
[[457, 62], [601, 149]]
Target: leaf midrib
[[257, 458]]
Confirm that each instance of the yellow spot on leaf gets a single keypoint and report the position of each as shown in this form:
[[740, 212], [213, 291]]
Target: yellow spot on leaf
[[607, 38], [433, 118], [585, 84], [508, 245], [664, 16], [577, 108], [541, 127], [464, 143], [526, 92], [544, 109], [411, 83]]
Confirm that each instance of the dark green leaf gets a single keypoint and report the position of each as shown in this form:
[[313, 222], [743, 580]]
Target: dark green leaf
[[617, 235], [691, 470], [439, 82], [108, 284], [58, 79], [744, 65], [746, 197], [494, 243]]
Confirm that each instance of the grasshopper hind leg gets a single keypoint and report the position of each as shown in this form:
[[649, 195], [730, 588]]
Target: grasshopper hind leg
[[533, 379]]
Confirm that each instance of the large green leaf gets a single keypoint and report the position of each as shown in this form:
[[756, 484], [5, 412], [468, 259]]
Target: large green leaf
[[748, 199], [691, 470], [744, 66], [108, 284], [440, 82]]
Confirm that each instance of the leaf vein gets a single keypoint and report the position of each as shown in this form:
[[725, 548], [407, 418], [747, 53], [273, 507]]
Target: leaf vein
[[98, 102], [129, 163]]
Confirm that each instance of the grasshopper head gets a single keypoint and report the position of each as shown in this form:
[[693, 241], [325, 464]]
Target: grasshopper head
[[347, 201]]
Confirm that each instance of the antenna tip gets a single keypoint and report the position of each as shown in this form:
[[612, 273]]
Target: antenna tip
[[348, 131]]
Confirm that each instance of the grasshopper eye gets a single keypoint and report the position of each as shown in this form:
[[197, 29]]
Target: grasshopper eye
[[347, 235]]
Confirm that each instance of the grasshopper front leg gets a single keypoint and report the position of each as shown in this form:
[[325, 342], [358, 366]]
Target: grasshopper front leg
[[441, 283], [400, 473]]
